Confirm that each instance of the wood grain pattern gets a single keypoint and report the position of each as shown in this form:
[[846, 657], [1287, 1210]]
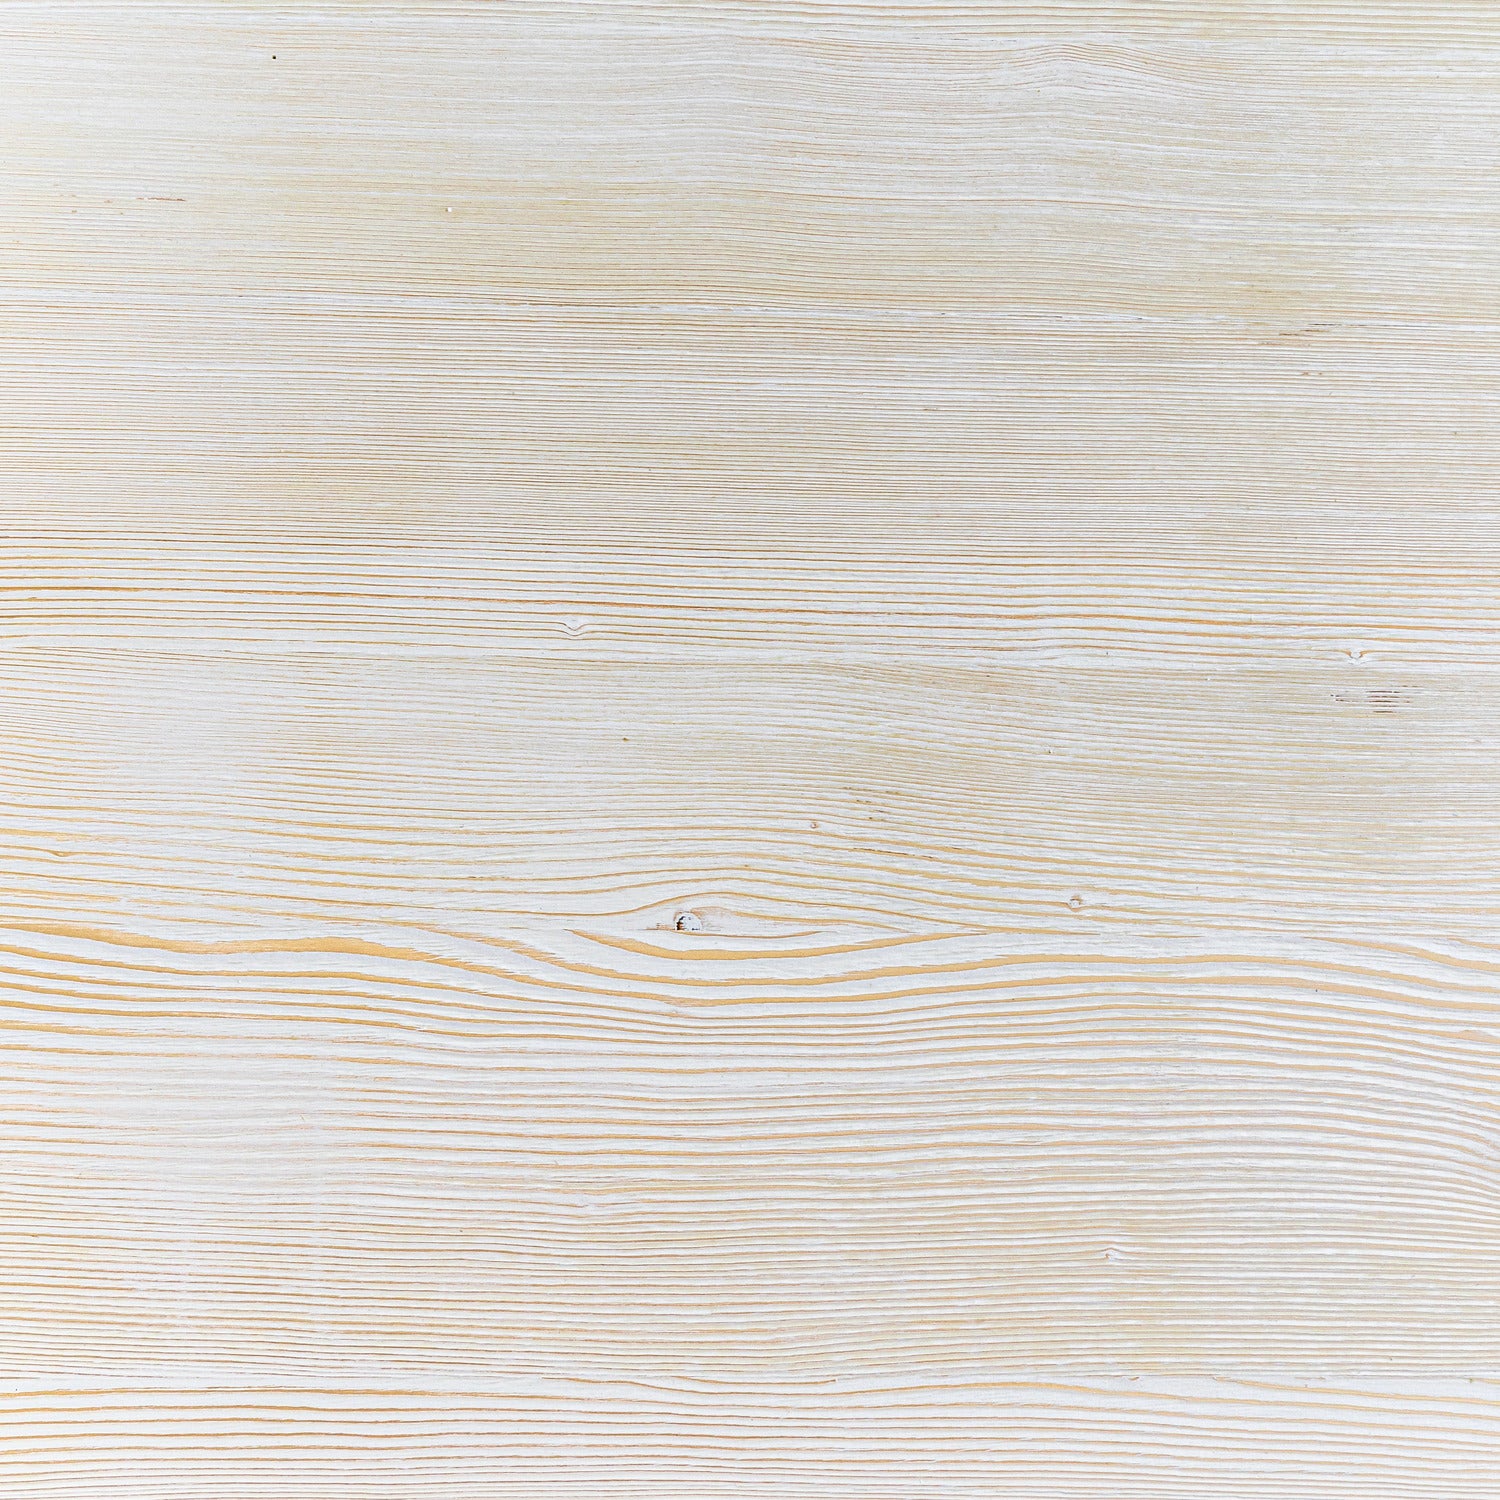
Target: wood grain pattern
[[749, 750]]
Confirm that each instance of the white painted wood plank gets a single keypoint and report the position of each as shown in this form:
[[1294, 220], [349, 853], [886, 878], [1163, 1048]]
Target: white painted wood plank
[[749, 750], [964, 1440], [734, 1157]]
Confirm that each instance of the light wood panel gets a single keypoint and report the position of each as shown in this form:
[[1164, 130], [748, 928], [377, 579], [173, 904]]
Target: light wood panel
[[578, 1439], [749, 749]]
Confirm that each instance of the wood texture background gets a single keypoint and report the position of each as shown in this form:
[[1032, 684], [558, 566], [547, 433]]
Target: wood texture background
[[749, 750]]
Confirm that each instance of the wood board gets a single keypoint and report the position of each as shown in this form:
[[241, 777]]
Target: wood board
[[750, 751]]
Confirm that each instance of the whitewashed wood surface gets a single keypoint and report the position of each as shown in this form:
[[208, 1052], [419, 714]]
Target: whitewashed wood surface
[[749, 750]]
